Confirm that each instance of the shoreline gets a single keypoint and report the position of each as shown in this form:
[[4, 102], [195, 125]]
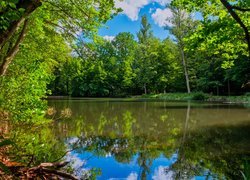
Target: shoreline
[[202, 97], [198, 97]]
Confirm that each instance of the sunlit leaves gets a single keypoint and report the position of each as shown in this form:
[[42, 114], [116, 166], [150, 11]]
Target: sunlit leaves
[[217, 32]]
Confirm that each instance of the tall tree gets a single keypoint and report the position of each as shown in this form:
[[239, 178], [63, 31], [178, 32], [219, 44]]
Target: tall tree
[[221, 36], [145, 32], [144, 62], [182, 23], [125, 46]]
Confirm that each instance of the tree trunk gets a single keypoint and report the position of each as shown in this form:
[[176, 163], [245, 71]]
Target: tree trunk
[[185, 69], [13, 51], [145, 88], [228, 88], [239, 21], [29, 6]]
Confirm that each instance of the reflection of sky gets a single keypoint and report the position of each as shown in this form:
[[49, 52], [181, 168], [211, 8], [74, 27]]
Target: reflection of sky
[[113, 170]]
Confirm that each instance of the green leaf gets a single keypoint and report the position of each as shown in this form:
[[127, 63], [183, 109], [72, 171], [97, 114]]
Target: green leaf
[[12, 5], [5, 143], [21, 10], [4, 168]]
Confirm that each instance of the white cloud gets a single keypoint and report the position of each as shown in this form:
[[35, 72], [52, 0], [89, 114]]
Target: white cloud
[[131, 8], [109, 38], [132, 176], [161, 17]]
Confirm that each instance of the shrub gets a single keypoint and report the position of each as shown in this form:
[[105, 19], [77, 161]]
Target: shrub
[[199, 96]]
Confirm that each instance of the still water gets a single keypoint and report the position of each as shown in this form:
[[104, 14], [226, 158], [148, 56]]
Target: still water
[[128, 139]]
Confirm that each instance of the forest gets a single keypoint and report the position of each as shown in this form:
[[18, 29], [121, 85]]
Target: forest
[[51, 48]]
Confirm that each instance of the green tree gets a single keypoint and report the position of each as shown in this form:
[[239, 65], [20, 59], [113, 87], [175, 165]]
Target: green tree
[[144, 56], [168, 67], [69, 18], [145, 32], [217, 43], [41, 51], [224, 25], [44, 36], [182, 26], [125, 46]]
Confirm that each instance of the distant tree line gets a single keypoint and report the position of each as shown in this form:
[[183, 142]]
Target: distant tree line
[[125, 66]]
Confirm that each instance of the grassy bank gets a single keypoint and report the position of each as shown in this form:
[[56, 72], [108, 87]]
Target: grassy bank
[[199, 97]]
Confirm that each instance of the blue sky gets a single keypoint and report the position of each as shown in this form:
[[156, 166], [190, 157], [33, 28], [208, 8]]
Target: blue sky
[[129, 19]]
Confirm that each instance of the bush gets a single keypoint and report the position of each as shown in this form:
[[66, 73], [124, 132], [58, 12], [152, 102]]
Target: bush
[[199, 96]]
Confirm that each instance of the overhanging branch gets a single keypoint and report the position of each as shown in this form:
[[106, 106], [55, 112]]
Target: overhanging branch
[[239, 21], [240, 9]]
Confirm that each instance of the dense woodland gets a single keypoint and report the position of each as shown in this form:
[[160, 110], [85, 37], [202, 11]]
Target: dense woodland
[[52, 48]]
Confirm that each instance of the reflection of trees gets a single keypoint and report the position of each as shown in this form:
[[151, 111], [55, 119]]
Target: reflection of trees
[[34, 144], [221, 152], [124, 138], [125, 132], [184, 169]]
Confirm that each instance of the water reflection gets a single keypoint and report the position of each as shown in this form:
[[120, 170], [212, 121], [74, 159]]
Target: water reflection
[[156, 140]]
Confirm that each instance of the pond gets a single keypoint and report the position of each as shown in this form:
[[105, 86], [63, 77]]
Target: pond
[[129, 139]]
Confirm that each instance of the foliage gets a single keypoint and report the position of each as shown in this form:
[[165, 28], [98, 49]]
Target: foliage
[[218, 32], [4, 143], [170, 96], [200, 96], [120, 67], [28, 77], [11, 13], [52, 31], [35, 144]]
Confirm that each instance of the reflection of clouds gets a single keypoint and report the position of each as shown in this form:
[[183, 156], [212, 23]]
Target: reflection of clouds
[[108, 155], [72, 140], [76, 161], [162, 173], [77, 164], [132, 176]]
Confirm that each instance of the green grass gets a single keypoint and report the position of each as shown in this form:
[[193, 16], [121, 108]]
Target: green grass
[[199, 96]]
